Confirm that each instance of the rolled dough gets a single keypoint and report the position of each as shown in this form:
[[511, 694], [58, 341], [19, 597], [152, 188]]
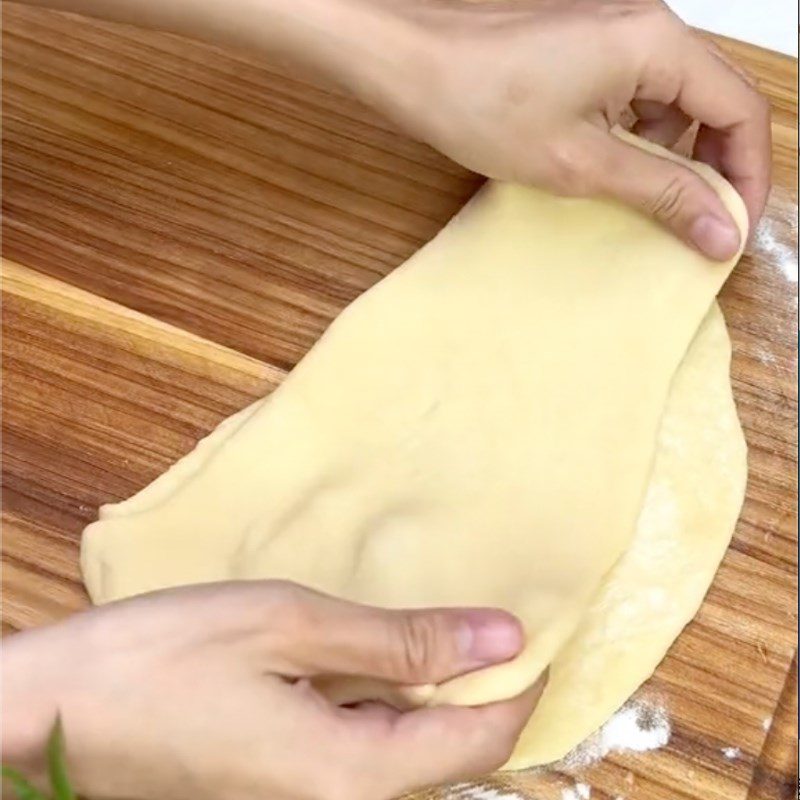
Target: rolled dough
[[477, 429]]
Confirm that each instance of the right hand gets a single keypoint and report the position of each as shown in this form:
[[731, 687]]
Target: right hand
[[528, 91], [202, 693]]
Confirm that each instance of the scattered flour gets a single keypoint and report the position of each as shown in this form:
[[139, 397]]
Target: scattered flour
[[731, 753], [767, 723], [582, 791], [638, 726], [780, 254], [764, 355], [469, 791]]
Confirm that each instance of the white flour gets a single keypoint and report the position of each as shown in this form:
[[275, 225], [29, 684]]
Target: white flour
[[467, 791], [582, 791], [767, 723], [731, 753], [783, 256], [764, 355], [637, 727]]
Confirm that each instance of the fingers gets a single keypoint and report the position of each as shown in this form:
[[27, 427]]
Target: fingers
[[735, 133], [660, 123], [741, 162], [446, 743], [309, 633], [668, 191]]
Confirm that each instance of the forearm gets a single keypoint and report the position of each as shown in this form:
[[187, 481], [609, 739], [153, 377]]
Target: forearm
[[362, 44]]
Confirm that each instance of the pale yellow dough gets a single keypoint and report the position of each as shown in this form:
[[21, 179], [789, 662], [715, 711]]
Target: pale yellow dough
[[690, 510], [480, 429]]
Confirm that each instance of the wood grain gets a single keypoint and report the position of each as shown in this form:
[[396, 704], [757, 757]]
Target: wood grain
[[98, 399], [191, 219], [778, 759]]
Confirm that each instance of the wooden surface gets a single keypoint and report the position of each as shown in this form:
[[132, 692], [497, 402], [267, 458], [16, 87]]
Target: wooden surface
[[190, 220]]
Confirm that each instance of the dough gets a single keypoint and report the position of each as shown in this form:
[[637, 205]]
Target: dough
[[693, 501], [477, 429]]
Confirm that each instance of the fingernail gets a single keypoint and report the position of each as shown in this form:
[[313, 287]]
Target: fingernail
[[489, 637], [715, 237]]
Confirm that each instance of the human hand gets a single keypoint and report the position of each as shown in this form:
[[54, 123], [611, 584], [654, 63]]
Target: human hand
[[204, 692], [529, 90]]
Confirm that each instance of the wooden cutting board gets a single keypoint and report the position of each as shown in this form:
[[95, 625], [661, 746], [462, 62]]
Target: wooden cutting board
[[185, 222]]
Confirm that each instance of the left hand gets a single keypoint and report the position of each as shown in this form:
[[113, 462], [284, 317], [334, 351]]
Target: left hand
[[203, 693]]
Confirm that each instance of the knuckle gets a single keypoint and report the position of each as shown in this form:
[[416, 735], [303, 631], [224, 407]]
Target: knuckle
[[668, 203], [287, 605], [761, 105], [418, 646], [749, 77], [569, 169]]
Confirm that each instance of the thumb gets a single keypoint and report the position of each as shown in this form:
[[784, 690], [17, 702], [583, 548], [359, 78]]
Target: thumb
[[325, 635], [444, 744], [671, 193]]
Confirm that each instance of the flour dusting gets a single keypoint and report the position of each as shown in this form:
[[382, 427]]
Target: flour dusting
[[781, 255], [764, 355], [637, 727], [767, 723], [731, 753], [469, 791], [582, 791]]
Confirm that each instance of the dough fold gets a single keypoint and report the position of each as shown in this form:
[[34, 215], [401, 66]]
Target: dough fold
[[479, 428]]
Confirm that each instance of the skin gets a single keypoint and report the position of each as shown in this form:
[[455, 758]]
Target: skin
[[204, 692], [530, 91]]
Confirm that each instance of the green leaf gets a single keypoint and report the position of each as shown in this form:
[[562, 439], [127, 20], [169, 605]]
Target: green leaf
[[22, 788], [56, 763]]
